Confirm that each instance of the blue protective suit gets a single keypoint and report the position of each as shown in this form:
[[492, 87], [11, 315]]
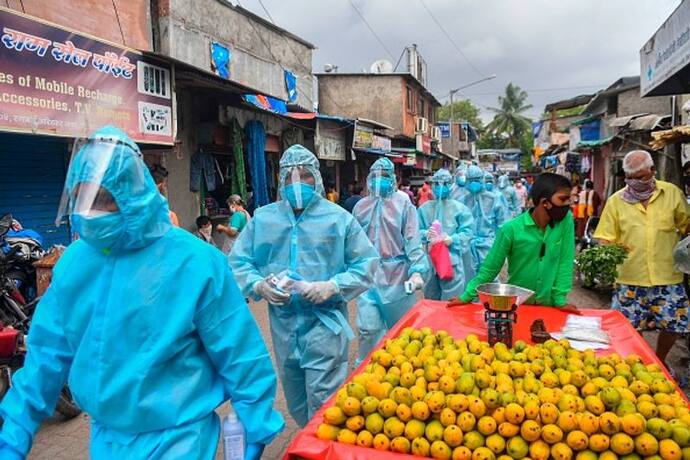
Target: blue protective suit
[[510, 195], [459, 190], [390, 221], [152, 335], [489, 211], [456, 221], [324, 242]]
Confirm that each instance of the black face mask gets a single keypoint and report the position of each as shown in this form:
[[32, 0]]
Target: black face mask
[[558, 213]]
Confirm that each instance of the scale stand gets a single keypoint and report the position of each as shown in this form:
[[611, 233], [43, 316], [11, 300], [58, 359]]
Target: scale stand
[[500, 324]]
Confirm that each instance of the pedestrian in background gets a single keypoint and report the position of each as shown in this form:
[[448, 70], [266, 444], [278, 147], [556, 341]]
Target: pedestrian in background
[[324, 247], [204, 229], [459, 190], [424, 194], [647, 217], [405, 188], [522, 194], [354, 199], [238, 220], [588, 206], [160, 177], [509, 193], [332, 195]]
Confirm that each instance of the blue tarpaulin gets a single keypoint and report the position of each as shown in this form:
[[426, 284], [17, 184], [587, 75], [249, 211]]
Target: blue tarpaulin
[[590, 131], [220, 59], [291, 85]]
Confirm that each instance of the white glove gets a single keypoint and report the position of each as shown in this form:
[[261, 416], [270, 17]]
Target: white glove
[[320, 291], [271, 294], [447, 240], [431, 234], [416, 281]]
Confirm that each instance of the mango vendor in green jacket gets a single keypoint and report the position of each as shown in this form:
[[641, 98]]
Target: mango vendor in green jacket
[[539, 245]]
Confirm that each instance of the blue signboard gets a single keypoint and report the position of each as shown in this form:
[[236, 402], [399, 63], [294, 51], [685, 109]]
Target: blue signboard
[[445, 129]]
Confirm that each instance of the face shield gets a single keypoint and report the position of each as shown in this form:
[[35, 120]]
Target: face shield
[[381, 182], [299, 187], [84, 192]]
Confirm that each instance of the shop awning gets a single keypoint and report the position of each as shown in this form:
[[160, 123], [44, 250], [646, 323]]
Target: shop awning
[[384, 153], [661, 139], [593, 144], [649, 122], [276, 106]]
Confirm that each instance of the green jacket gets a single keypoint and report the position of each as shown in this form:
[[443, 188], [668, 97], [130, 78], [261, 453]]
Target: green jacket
[[539, 260]]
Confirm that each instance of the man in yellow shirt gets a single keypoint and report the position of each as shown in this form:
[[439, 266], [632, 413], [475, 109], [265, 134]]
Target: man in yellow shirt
[[648, 217]]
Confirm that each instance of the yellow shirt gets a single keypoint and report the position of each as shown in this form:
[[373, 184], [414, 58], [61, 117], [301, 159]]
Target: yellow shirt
[[650, 234]]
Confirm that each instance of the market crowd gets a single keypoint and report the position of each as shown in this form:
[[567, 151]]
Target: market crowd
[[149, 326]]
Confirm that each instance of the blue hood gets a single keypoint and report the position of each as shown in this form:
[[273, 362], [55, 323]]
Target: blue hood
[[126, 177]]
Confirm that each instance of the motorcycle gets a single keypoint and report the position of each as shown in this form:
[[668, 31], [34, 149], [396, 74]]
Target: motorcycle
[[588, 240], [17, 282]]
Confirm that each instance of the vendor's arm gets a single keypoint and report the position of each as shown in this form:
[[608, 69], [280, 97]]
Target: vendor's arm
[[563, 282], [492, 265], [681, 212], [413, 241], [233, 342], [608, 230], [361, 260], [36, 386], [242, 260]]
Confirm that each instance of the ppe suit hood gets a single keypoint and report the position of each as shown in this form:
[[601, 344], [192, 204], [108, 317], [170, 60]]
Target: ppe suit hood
[[382, 165], [503, 181], [488, 177], [442, 176], [298, 155], [475, 173], [144, 210], [461, 171]]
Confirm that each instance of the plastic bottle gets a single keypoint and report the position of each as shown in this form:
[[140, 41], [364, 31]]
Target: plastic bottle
[[234, 441]]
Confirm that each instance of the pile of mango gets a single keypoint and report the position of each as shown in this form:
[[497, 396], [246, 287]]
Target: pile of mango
[[427, 394]]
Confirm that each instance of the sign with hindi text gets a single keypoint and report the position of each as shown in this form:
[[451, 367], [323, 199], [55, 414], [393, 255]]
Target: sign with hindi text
[[56, 82]]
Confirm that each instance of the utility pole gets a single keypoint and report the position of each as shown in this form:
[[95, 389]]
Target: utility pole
[[453, 91]]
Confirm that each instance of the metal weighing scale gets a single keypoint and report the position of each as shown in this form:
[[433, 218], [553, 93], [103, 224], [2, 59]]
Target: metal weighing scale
[[500, 304]]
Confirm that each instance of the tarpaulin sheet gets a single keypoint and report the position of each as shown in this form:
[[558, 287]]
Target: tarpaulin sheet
[[460, 322]]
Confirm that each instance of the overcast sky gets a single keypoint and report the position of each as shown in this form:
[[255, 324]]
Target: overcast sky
[[554, 49]]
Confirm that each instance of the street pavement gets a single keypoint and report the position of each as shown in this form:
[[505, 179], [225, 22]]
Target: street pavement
[[68, 440]]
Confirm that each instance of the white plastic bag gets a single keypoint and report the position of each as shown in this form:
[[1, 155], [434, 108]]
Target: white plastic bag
[[681, 256]]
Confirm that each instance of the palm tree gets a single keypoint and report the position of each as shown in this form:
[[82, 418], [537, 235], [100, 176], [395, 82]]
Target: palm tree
[[509, 121]]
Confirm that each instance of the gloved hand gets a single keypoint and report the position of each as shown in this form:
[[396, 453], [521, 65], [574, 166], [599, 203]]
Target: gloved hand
[[431, 234], [271, 294], [320, 291], [254, 451], [447, 240], [416, 281]]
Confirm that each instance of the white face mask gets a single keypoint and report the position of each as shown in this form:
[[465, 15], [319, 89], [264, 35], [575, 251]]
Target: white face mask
[[206, 231]]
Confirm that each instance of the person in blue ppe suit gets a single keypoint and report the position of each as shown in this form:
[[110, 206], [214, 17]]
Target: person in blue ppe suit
[[489, 212], [145, 323], [456, 224], [509, 193], [389, 219], [331, 261], [459, 190], [490, 186]]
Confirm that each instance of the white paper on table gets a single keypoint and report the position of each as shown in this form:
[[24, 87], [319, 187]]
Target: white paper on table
[[580, 345], [582, 322], [586, 335]]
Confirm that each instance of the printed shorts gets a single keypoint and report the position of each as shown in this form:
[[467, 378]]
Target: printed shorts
[[653, 308]]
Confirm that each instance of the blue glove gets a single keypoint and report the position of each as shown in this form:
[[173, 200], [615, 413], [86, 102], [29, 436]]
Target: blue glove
[[254, 451]]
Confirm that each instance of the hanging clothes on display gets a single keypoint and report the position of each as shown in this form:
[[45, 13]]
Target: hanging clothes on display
[[572, 162], [586, 163], [256, 144], [203, 166], [239, 178]]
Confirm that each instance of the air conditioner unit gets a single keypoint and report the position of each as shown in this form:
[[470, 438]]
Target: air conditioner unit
[[436, 133], [422, 125]]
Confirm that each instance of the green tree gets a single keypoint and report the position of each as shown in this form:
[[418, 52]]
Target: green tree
[[463, 110], [509, 122]]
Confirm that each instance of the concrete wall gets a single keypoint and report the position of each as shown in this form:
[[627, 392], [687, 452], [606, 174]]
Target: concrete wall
[[187, 29], [95, 17], [376, 97], [630, 103]]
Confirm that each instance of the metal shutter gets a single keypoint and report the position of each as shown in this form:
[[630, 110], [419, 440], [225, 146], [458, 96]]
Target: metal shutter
[[32, 174]]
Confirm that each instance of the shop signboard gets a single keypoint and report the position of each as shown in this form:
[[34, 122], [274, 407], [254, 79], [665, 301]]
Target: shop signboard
[[330, 141], [507, 166], [363, 137], [410, 159], [666, 55], [445, 129], [57, 82], [381, 143]]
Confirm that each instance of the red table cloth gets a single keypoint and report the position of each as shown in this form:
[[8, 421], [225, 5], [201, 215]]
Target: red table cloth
[[459, 322]]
